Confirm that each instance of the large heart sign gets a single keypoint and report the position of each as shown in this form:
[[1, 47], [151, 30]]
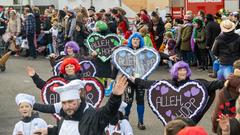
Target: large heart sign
[[93, 91], [49, 96], [87, 68], [103, 45], [139, 63], [168, 102]]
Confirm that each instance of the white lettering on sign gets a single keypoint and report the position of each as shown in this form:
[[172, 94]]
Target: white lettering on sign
[[53, 98], [187, 109], [165, 101]]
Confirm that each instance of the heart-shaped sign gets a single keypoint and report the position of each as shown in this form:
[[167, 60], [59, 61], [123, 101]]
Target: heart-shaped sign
[[94, 91], [88, 69], [168, 102], [138, 63], [93, 88], [103, 45], [49, 96]]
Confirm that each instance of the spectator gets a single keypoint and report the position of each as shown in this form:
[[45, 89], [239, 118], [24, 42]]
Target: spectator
[[70, 26], [30, 28], [226, 48], [212, 31], [185, 45], [14, 28], [3, 24], [157, 29]]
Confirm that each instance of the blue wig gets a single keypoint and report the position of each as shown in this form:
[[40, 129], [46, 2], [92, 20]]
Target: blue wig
[[136, 35], [178, 65]]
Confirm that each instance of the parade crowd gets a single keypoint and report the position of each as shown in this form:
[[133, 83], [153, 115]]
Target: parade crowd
[[210, 43]]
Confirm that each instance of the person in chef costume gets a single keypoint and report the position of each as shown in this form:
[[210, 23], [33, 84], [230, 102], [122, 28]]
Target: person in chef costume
[[80, 118], [119, 125], [30, 121]]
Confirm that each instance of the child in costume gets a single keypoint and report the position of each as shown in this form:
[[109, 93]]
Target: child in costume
[[29, 122], [119, 125]]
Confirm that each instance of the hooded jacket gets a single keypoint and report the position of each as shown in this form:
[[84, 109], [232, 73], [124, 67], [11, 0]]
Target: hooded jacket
[[227, 48]]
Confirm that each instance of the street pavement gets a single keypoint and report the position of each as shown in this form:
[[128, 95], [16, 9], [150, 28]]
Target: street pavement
[[15, 80]]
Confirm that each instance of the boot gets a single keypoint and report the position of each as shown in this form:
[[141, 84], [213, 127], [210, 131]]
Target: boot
[[213, 75]]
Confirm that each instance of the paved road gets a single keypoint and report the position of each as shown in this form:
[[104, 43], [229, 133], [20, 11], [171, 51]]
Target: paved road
[[15, 80]]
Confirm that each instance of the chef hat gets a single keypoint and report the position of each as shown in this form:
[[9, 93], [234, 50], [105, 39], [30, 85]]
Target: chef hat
[[71, 90], [122, 107], [20, 98]]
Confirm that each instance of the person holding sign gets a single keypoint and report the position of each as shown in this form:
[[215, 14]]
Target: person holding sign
[[81, 118], [135, 42], [181, 73], [70, 70], [71, 49]]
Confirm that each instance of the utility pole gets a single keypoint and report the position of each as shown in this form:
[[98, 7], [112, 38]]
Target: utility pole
[[91, 2], [120, 3]]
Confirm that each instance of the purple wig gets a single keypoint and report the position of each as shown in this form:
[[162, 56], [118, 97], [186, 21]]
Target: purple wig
[[178, 65], [73, 45]]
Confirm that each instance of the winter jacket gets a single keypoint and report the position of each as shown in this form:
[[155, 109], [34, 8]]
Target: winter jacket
[[225, 103], [159, 31], [148, 41], [14, 25], [38, 23], [71, 26], [211, 87], [227, 48], [201, 38], [186, 34], [2, 23], [212, 31], [30, 24]]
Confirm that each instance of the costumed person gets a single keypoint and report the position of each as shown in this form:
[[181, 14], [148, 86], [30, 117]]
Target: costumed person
[[30, 121], [119, 125], [69, 69], [226, 48], [135, 42], [71, 49], [104, 69], [181, 73], [78, 117], [230, 126], [225, 103]]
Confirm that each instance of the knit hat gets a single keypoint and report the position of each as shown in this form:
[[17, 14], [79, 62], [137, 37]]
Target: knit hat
[[196, 130], [227, 26], [68, 61], [102, 26]]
